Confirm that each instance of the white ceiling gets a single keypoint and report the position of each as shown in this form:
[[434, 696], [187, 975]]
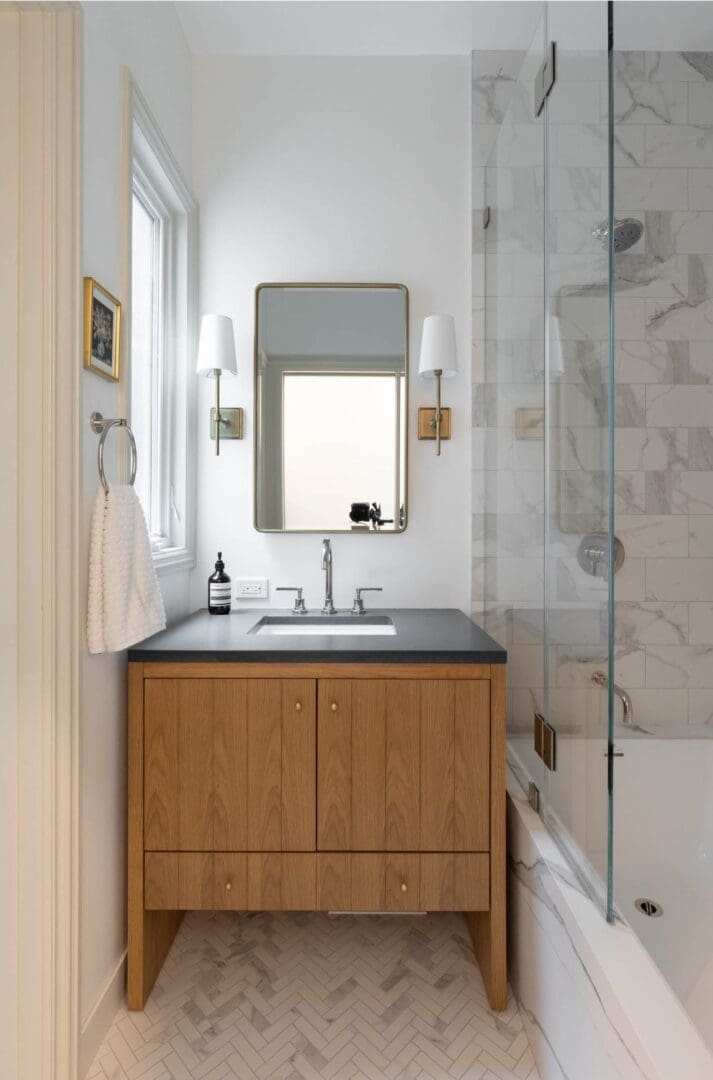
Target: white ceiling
[[425, 27]]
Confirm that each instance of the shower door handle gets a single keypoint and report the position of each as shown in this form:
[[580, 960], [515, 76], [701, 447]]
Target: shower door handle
[[600, 678]]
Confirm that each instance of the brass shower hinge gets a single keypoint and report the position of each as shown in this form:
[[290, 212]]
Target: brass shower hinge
[[545, 742]]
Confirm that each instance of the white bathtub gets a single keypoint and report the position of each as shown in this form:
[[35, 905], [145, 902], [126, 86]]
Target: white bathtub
[[598, 1004], [663, 849]]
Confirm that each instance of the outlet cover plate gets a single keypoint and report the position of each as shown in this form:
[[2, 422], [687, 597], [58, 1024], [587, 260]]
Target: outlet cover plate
[[251, 588]]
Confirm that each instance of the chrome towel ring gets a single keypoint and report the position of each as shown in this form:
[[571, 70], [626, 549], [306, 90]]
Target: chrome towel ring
[[102, 428]]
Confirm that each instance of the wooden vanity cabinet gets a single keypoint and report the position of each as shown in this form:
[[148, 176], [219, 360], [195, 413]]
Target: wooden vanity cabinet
[[336, 787]]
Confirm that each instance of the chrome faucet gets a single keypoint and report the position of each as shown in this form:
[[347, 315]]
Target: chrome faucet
[[600, 678], [329, 608]]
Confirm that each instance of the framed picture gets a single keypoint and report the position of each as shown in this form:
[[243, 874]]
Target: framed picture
[[102, 326]]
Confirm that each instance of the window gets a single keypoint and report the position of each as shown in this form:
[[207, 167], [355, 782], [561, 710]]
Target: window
[[162, 339]]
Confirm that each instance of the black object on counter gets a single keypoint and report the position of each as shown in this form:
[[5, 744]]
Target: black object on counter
[[219, 591]]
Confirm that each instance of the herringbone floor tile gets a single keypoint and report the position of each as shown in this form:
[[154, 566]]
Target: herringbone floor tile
[[276, 996]]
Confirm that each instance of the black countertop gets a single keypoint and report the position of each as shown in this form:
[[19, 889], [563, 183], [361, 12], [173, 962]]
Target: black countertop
[[441, 636]]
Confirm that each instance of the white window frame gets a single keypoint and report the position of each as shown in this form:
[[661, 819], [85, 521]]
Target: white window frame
[[153, 174]]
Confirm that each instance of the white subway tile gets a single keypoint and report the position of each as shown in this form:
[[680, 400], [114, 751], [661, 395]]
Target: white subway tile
[[649, 535], [700, 189], [660, 709], [656, 622], [649, 102], [700, 103], [701, 625], [678, 144], [700, 707], [679, 579], [682, 666], [700, 535], [679, 406], [652, 189], [651, 448]]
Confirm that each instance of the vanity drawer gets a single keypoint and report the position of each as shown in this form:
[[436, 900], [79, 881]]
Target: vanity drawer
[[230, 881], [334, 881], [403, 881]]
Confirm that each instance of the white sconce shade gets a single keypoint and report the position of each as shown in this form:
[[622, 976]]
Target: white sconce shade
[[216, 357], [216, 347], [438, 347]]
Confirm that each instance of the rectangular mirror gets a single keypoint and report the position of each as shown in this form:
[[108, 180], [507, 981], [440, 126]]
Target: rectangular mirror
[[331, 408]]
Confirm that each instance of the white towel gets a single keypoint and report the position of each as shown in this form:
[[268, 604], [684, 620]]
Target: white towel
[[125, 604]]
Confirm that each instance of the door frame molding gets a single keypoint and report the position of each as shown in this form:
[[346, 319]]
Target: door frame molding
[[41, 313]]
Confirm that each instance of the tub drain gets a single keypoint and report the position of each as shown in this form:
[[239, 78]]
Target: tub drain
[[648, 907]]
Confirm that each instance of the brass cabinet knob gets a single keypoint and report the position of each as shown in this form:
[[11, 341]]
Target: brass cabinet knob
[[228, 886], [334, 706], [298, 706], [403, 886]]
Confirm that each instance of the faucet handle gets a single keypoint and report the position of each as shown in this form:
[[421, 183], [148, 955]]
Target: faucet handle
[[298, 608], [358, 605]]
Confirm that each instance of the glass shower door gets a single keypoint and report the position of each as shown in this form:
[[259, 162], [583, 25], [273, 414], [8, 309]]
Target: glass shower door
[[546, 412], [513, 397], [578, 470]]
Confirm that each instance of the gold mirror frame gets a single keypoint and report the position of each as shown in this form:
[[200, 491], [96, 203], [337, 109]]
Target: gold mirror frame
[[405, 416]]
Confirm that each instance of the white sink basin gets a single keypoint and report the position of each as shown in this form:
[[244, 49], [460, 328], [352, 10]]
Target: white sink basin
[[310, 625]]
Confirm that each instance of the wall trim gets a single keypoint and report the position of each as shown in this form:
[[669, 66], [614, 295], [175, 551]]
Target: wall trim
[[101, 1016], [40, 310]]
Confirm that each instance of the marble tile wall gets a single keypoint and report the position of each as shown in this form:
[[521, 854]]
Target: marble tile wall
[[664, 362], [664, 374]]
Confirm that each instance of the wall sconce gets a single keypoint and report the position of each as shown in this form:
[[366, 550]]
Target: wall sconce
[[439, 360], [216, 357]]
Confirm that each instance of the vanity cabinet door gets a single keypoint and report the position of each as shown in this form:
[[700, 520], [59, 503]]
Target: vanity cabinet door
[[403, 765], [229, 765]]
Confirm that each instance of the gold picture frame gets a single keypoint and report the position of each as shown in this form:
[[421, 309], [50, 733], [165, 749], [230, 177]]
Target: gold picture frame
[[102, 330]]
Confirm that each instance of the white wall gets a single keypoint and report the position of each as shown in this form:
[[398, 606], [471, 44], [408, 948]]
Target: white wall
[[146, 38], [337, 169]]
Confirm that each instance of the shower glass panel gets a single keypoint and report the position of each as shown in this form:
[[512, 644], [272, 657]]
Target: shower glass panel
[[663, 115], [546, 412], [578, 470], [513, 391]]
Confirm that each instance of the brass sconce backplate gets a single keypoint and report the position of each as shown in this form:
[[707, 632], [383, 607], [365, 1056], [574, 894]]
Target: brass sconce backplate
[[231, 426], [427, 423]]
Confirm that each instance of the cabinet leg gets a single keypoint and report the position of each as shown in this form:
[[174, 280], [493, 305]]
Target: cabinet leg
[[488, 928], [487, 931], [151, 935]]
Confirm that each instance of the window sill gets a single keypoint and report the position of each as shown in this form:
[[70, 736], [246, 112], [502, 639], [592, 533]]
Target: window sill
[[171, 560]]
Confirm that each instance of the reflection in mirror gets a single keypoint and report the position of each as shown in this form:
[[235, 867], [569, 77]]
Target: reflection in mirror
[[331, 374]]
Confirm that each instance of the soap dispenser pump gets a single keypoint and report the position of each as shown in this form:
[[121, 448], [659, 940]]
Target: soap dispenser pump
[[219, 592]]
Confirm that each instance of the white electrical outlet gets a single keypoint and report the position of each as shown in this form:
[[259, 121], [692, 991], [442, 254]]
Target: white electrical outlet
[[251, 588]]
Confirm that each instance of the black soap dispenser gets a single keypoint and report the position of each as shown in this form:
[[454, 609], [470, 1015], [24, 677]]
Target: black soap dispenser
[[219, 589]]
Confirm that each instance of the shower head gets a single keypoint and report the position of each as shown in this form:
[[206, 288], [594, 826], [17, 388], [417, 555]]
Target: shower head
[[626, 233]]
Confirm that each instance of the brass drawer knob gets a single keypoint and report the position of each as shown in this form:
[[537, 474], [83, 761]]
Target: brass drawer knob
[[228, 886], [403, 886], [334, 706], [298, 706]]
